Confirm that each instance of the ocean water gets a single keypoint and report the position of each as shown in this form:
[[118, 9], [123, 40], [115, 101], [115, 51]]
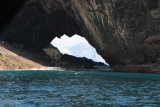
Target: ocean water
[[69, 88]]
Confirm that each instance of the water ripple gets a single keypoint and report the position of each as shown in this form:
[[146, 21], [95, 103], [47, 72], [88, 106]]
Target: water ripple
[[78, 88]]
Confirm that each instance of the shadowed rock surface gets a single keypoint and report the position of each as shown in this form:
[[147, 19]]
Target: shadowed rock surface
[[124, 32], [68, 61], [53, 54], [8, 9]]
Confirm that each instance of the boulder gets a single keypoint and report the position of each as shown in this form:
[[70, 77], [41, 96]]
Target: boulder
[[53, 53]]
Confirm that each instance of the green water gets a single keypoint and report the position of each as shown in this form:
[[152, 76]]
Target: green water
[[68, 88]]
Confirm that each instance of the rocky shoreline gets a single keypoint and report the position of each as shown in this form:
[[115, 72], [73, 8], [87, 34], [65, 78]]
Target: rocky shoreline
[[126, 33], [17, 56], [12, 57], [144, 68]]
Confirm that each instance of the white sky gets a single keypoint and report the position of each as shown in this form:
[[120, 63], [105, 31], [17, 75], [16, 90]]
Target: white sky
[[76, 46], [66, 41]]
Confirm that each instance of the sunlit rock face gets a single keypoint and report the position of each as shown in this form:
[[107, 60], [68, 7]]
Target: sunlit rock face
[[122, 31]]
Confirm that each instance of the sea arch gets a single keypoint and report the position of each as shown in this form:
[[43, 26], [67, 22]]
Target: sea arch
[[118, 30]]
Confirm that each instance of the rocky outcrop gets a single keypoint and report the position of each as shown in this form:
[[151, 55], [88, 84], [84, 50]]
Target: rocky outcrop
[[71, 62], [17, 56], [67, 61], [124, 32], [52, 53]]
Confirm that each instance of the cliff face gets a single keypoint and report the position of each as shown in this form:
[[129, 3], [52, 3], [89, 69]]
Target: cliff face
[[124, 32]]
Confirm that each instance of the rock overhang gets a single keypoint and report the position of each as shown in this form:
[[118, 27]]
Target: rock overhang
[[117, 29]]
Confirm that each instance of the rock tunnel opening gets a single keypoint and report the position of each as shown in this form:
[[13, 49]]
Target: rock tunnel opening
[[77, 46]]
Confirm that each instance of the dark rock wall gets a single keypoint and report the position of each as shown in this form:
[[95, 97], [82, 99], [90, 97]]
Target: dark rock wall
[[118, 28], [36, 26], [122, 31], [8, 11]]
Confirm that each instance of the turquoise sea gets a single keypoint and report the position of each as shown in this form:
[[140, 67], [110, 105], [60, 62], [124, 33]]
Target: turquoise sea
[[77, 88]]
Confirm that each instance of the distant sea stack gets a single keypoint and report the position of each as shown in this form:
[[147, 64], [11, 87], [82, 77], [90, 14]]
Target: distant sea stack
[[126, 33]]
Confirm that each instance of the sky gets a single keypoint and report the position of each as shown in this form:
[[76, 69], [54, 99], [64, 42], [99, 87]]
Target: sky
[[77, 46]]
